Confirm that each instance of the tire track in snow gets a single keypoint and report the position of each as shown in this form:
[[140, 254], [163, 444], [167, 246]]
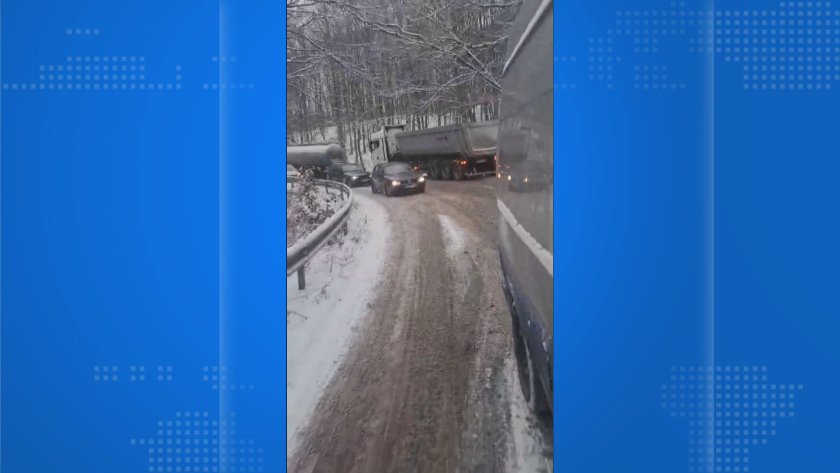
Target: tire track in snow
[[426, 385]]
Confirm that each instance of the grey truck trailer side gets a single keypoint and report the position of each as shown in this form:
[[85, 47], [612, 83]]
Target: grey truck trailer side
[[454, 151]]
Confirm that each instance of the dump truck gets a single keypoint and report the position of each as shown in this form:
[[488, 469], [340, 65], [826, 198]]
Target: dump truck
[[448, 152]]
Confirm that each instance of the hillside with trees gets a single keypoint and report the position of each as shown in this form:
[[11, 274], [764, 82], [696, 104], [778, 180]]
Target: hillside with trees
[[354, 65]]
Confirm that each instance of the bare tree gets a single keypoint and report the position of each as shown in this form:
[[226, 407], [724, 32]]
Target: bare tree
[[357, 64]]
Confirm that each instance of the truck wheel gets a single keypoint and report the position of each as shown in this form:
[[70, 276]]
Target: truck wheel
[[434, 170], [458, 172], [530, 383], [446, 170]]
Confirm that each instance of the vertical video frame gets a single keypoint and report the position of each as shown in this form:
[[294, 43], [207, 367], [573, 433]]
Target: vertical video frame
[[419, 217]]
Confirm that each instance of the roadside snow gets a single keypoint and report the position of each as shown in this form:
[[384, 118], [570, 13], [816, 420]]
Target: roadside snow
[[527, 452], [455, 244], [454, 237], [322, 319]]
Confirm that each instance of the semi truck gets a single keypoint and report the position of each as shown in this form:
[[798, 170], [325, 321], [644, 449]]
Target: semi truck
[[454, 151], [525, 200]]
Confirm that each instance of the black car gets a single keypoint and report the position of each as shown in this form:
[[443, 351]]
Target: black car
[[351, 174], [396, 178]]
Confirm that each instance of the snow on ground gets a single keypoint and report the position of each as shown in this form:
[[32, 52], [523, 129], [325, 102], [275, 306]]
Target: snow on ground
[[528, 452], [453, 236], [322, 319], [455, 244]]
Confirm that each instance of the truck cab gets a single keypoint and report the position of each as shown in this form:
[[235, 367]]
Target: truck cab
[[383, 143]]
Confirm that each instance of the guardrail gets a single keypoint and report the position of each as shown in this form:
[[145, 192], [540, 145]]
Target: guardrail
[[305, 248]]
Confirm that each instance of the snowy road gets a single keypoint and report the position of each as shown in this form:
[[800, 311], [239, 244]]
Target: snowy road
[[323, 317], [428, 383]]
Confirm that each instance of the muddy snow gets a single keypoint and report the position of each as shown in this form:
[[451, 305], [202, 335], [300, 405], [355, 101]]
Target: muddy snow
[[322, 318], [424, 379]]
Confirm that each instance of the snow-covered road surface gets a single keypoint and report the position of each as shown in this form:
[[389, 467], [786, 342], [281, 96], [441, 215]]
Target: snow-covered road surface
[[322, 318], [429, 382]]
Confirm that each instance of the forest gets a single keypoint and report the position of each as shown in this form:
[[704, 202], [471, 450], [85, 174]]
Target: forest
[[355, 65]]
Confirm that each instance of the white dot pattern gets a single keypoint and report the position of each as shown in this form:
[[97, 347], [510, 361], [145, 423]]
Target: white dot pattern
[[217, 377], [96, 73], [794, 46], [82, 31], [193, 442], [730, 410]]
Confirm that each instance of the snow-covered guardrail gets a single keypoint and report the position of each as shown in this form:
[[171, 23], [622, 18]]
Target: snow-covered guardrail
[[305, 247]]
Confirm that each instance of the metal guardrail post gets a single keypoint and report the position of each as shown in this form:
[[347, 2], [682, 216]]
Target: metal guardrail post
[[301, 251]]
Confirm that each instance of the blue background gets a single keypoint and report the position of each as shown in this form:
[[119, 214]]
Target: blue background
[[141, 229], [695, 228]]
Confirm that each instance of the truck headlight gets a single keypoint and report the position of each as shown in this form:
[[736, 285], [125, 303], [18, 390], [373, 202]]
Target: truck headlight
[[421, 179], [354, 177], [395, 183]]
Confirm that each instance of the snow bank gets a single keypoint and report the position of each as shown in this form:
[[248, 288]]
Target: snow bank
[[527, 452], [321, 319]]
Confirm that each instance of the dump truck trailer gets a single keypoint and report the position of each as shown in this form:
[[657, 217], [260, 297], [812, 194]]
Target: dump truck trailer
[[448, 152]]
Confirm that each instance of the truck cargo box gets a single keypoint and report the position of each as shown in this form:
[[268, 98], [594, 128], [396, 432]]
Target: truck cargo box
[[459, 140], [481, 137]]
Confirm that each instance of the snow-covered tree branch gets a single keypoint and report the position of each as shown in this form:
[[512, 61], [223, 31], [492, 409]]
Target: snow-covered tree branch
[[356, 64]]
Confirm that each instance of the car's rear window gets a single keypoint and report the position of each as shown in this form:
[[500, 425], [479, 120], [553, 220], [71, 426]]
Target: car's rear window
[[397, 167]]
